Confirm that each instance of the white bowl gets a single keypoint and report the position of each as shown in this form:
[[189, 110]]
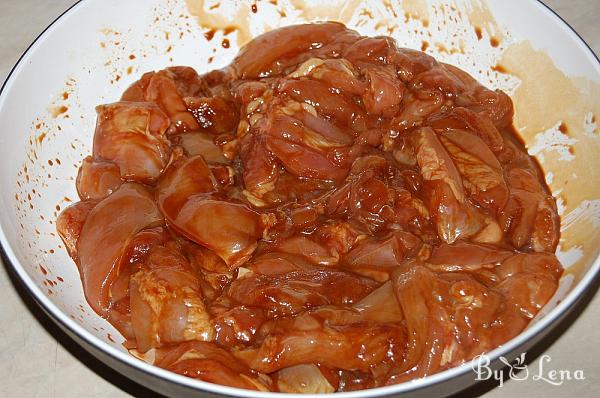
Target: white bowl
[[84, 59]]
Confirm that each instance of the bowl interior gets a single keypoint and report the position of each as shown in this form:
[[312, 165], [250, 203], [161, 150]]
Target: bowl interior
[[92, 54]]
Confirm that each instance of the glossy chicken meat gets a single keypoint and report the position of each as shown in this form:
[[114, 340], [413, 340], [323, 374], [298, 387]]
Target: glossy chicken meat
[[328, 213]]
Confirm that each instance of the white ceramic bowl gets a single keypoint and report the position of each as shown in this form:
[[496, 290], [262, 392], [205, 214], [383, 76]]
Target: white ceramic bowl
[[98, 47]]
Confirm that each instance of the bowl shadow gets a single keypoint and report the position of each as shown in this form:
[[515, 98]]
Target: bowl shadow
[[107, 373]]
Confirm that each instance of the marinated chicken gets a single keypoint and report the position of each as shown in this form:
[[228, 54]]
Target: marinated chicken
[[328, 213]]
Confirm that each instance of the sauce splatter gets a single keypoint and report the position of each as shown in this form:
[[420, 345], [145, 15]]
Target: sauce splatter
[[416, 9], [209, 34], [228, 30], [214, 20], [58, 110], [481, 17], [499, 68]]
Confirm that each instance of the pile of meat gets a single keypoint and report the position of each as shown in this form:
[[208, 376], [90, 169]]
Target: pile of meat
[[328, 213]]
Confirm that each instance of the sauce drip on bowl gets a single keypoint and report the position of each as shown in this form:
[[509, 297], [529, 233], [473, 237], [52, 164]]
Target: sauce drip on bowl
[[328, 213]]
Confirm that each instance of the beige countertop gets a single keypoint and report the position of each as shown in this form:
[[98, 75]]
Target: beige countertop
[[38, 360]]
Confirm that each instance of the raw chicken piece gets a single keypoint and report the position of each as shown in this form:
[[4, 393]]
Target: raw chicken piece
[[266, 56], [198, 143], [377, 258], [297, 290], [97, 179], [481, 173], [463, 257], [107, 230], [384, 94], [455, 217], [131, 134], [446, 318], [530, 217], [314, 338], [206, 361], [214, 115], [69, 225], [464, 119], [188, 197], [162, 90], [167, 306], [303, 379]]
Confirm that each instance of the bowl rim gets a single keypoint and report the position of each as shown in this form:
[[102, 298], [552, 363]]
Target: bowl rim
[[548, 320]]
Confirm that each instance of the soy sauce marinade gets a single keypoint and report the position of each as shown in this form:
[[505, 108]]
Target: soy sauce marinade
[[328, 213]]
